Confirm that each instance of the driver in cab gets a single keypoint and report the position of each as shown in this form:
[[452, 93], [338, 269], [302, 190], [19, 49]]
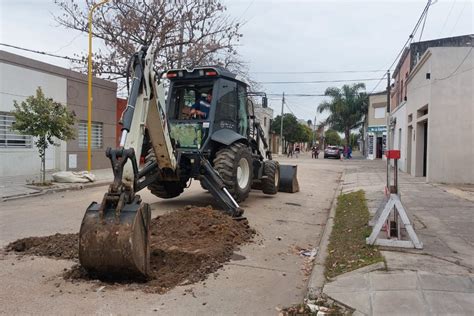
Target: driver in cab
[[200, 109]]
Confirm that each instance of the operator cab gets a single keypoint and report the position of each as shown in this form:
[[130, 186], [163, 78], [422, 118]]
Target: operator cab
[[202, 101]]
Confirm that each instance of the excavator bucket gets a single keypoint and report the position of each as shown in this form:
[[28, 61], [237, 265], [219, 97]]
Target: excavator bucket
[[288, 179], [114, 239]]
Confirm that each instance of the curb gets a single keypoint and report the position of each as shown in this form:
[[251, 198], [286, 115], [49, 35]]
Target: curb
[[73, 187], [317, 279]]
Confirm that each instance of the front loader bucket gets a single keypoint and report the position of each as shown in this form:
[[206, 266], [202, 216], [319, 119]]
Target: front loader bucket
[[288, 179], [116, 244]]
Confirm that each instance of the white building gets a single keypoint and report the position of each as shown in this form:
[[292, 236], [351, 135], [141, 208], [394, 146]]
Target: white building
[[436, 122], [19, 79], [376, 133], [264, 116]]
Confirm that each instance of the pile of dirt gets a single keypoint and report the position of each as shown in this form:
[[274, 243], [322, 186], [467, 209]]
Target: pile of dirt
[[61, 246], [186, 246]]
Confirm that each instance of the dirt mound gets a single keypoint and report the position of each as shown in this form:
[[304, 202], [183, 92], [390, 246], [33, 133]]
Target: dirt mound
[[186, 246], [61, 246]]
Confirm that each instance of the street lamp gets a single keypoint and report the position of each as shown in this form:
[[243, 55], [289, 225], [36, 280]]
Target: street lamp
[[89, 87]]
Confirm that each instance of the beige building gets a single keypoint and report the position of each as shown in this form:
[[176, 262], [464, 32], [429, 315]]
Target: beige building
[[440, 116], [376, 133], [19, 78]]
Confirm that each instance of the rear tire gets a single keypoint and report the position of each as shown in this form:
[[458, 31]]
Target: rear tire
[[164, 189], [271, 183], [234, 165]]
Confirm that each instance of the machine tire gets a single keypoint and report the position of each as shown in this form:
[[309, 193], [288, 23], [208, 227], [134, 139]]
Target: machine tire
[[227, 162], [271, 183], [164, 189]]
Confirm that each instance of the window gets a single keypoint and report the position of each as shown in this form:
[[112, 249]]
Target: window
[[96, 135], [227, 104], [379, 112], [243, 116], [10, 138], [184, 96]]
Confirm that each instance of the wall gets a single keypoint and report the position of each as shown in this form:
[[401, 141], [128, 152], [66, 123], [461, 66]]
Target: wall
[[104, 105], [451, 129], [17, 83], [399, 134], [377, 101], [448, 97], [399, 88]]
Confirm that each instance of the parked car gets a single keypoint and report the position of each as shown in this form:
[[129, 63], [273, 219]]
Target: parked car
[[332, 151]]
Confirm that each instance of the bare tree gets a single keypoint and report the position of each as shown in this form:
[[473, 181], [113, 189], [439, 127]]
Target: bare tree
[[189, 32]]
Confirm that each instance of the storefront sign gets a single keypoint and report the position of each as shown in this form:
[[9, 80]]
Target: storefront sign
[[377, 128]]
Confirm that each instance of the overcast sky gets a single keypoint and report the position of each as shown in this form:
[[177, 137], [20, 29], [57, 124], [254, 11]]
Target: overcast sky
[[278, 36]]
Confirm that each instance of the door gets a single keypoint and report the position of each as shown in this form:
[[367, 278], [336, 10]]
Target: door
[[425, 146]]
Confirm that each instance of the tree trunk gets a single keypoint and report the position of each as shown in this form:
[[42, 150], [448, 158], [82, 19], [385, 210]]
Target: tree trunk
[[43, 166]]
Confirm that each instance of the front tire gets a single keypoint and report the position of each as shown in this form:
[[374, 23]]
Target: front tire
[[234, 165], [271, 183]]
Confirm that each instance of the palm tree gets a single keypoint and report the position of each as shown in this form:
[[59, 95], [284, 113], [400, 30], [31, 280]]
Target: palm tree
[[347, 107]]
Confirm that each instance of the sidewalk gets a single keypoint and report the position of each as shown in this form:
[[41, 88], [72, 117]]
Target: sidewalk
[[436, 280], [15, 187]]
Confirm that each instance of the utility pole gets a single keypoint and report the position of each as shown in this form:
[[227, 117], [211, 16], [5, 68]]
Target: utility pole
[[281, 124], [314, 130], [387, 141]]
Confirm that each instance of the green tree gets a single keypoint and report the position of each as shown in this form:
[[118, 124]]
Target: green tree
[[291, 129], [44, 119], [347, 107], [354, 140], [332, 137]]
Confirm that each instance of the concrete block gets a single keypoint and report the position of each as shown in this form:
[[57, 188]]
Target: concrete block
[[452, 283], [450, 303], [406, 302], [383, 281], [360, 301], [352, 283]]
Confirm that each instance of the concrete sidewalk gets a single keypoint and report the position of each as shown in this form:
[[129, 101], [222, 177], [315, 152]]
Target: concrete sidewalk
[[15, 187], [435, 280]]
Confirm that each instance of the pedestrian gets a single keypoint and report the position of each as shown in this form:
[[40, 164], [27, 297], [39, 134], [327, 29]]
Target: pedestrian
[[341, 154], [297, 151], [290, 151], [349, 153]]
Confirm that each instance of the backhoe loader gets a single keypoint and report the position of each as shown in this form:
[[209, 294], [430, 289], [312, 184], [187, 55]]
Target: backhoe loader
[[222, 148]]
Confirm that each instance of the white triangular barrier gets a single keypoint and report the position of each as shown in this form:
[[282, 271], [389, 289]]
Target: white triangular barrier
[[381, 217]]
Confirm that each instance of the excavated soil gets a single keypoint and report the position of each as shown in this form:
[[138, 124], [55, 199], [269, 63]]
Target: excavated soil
[[186, 246]]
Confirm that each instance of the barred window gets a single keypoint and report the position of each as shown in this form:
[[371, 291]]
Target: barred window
[[10, 138], [96, 135]]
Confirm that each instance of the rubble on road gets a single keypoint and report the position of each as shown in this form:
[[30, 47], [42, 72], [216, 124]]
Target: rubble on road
[[186, 246]]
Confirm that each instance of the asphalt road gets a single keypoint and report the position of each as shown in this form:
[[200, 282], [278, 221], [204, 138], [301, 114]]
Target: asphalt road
[[271, 274]]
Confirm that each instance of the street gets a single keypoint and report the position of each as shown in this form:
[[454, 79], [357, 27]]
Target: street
[[271, 274]]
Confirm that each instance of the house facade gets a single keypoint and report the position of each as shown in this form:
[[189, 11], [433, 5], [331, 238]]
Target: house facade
[[439, 113], [376, 128], [20, 77]]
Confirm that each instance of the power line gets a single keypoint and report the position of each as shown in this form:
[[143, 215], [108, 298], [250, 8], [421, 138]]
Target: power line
[[314, 72], [457, 68], [407, 43], [423, 27], [42, 53], [459, 17], [447, 18], [316, 81]]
